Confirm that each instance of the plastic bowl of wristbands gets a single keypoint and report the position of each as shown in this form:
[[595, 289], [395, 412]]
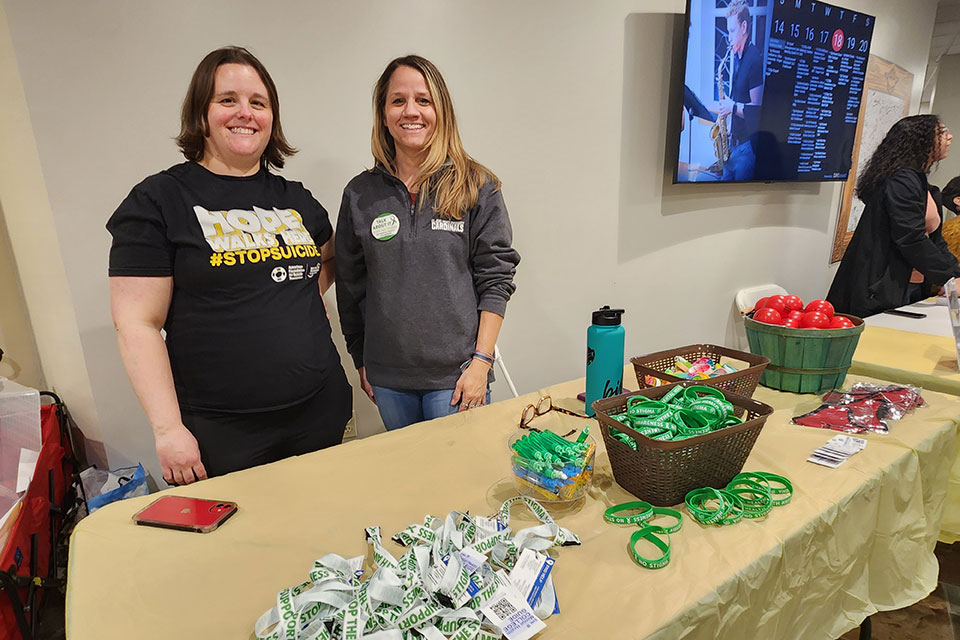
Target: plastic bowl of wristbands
[[550, 468]]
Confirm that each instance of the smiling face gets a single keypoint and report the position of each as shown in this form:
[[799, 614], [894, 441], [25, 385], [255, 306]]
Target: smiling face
[[409, 113], [240, 121]]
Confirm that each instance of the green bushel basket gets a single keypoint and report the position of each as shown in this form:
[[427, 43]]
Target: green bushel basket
[[804, 360]]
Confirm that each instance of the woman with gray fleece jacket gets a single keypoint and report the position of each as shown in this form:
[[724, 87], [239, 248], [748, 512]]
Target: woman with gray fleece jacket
[[425, 264]]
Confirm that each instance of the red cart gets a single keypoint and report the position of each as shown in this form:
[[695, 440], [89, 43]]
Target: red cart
[[36, 547]]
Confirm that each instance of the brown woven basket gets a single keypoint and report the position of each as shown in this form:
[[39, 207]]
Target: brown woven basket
[[743, 382], [662, 473]]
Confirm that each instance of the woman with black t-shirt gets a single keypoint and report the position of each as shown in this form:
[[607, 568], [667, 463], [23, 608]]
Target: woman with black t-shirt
[[231, 261]]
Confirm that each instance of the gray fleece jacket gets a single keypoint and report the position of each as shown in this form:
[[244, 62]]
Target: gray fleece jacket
[[411, 284]]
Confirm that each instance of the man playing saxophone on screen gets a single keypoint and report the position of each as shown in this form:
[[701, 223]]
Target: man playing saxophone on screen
[[743, 100]]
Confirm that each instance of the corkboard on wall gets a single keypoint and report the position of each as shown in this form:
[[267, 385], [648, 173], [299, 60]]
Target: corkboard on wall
[[886, 99]]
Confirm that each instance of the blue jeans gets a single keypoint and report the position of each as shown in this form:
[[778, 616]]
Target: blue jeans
[[741, 164], [402, 407]]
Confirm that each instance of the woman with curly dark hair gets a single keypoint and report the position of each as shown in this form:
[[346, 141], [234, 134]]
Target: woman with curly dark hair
[[897, 246]]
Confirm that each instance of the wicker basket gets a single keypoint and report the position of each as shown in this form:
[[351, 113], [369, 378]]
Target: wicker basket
[[662, 473], [743, 382], [804, 360]]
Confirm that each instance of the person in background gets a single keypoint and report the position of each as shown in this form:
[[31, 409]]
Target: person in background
[[425, 264], [746, 94], [951, 228], [230, 260], [897, 243]]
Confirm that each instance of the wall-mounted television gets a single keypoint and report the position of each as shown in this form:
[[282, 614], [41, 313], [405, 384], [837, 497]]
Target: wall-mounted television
[[772, 90]]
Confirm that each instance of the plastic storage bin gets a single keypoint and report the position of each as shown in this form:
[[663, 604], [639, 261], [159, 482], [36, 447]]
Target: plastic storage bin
[[743, 382], [529, 483], [662, 472], [19, 429]]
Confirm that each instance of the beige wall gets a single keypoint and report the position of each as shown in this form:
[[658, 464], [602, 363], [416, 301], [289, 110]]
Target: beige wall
[[565, 100], [21, 362], [34, 240], [946, 104]]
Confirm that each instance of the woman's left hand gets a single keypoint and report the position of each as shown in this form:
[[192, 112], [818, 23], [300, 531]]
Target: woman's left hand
[[471, 389]]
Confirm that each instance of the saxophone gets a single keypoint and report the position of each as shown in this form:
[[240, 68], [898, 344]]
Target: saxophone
[[719, 133]]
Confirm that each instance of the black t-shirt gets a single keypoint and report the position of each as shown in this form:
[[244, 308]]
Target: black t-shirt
[[747, 74], [246, 329]]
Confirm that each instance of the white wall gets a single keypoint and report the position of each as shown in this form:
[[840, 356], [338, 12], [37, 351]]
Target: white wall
[[565, 100], [946, 104]]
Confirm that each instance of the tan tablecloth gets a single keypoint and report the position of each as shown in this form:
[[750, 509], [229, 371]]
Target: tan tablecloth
[[920, 359], [852, 541]]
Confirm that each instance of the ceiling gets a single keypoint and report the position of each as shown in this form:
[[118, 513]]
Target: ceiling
[[946, 41]]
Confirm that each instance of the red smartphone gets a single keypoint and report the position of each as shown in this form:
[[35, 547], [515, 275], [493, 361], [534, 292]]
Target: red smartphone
[[185, 514]]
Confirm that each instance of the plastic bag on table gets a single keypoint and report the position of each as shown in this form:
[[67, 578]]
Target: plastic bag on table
[[830, 416], [103, 487], [869, 415], [863, 407], [902, 398]]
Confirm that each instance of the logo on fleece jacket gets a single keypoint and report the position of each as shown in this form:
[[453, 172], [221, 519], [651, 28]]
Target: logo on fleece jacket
[[439, 224]]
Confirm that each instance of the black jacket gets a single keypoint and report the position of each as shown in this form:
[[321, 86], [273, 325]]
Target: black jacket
[[890, 241]]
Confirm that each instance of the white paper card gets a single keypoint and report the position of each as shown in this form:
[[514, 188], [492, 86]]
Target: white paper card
[[837, 450], [512, 615], [28, 462], [356, 563], [472, 559], [491, 525], [531, 573]]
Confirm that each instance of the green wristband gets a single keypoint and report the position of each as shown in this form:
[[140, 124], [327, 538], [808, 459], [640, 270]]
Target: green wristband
[[649, 533], [645, 508], [755, 498], [696, 502], [782, 491], [698, 391], [692, 423], [671, 513], [648, 408], [650, 422], [652, 432], [672, 393], [735, 512]]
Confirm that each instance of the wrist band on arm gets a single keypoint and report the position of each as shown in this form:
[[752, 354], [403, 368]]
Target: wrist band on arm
[[483, 357]]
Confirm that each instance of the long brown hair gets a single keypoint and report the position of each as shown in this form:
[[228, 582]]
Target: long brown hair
[[194, 127], [451, 177], [912, 143]]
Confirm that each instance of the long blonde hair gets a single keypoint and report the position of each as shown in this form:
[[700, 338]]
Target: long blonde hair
[[451, 177]]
